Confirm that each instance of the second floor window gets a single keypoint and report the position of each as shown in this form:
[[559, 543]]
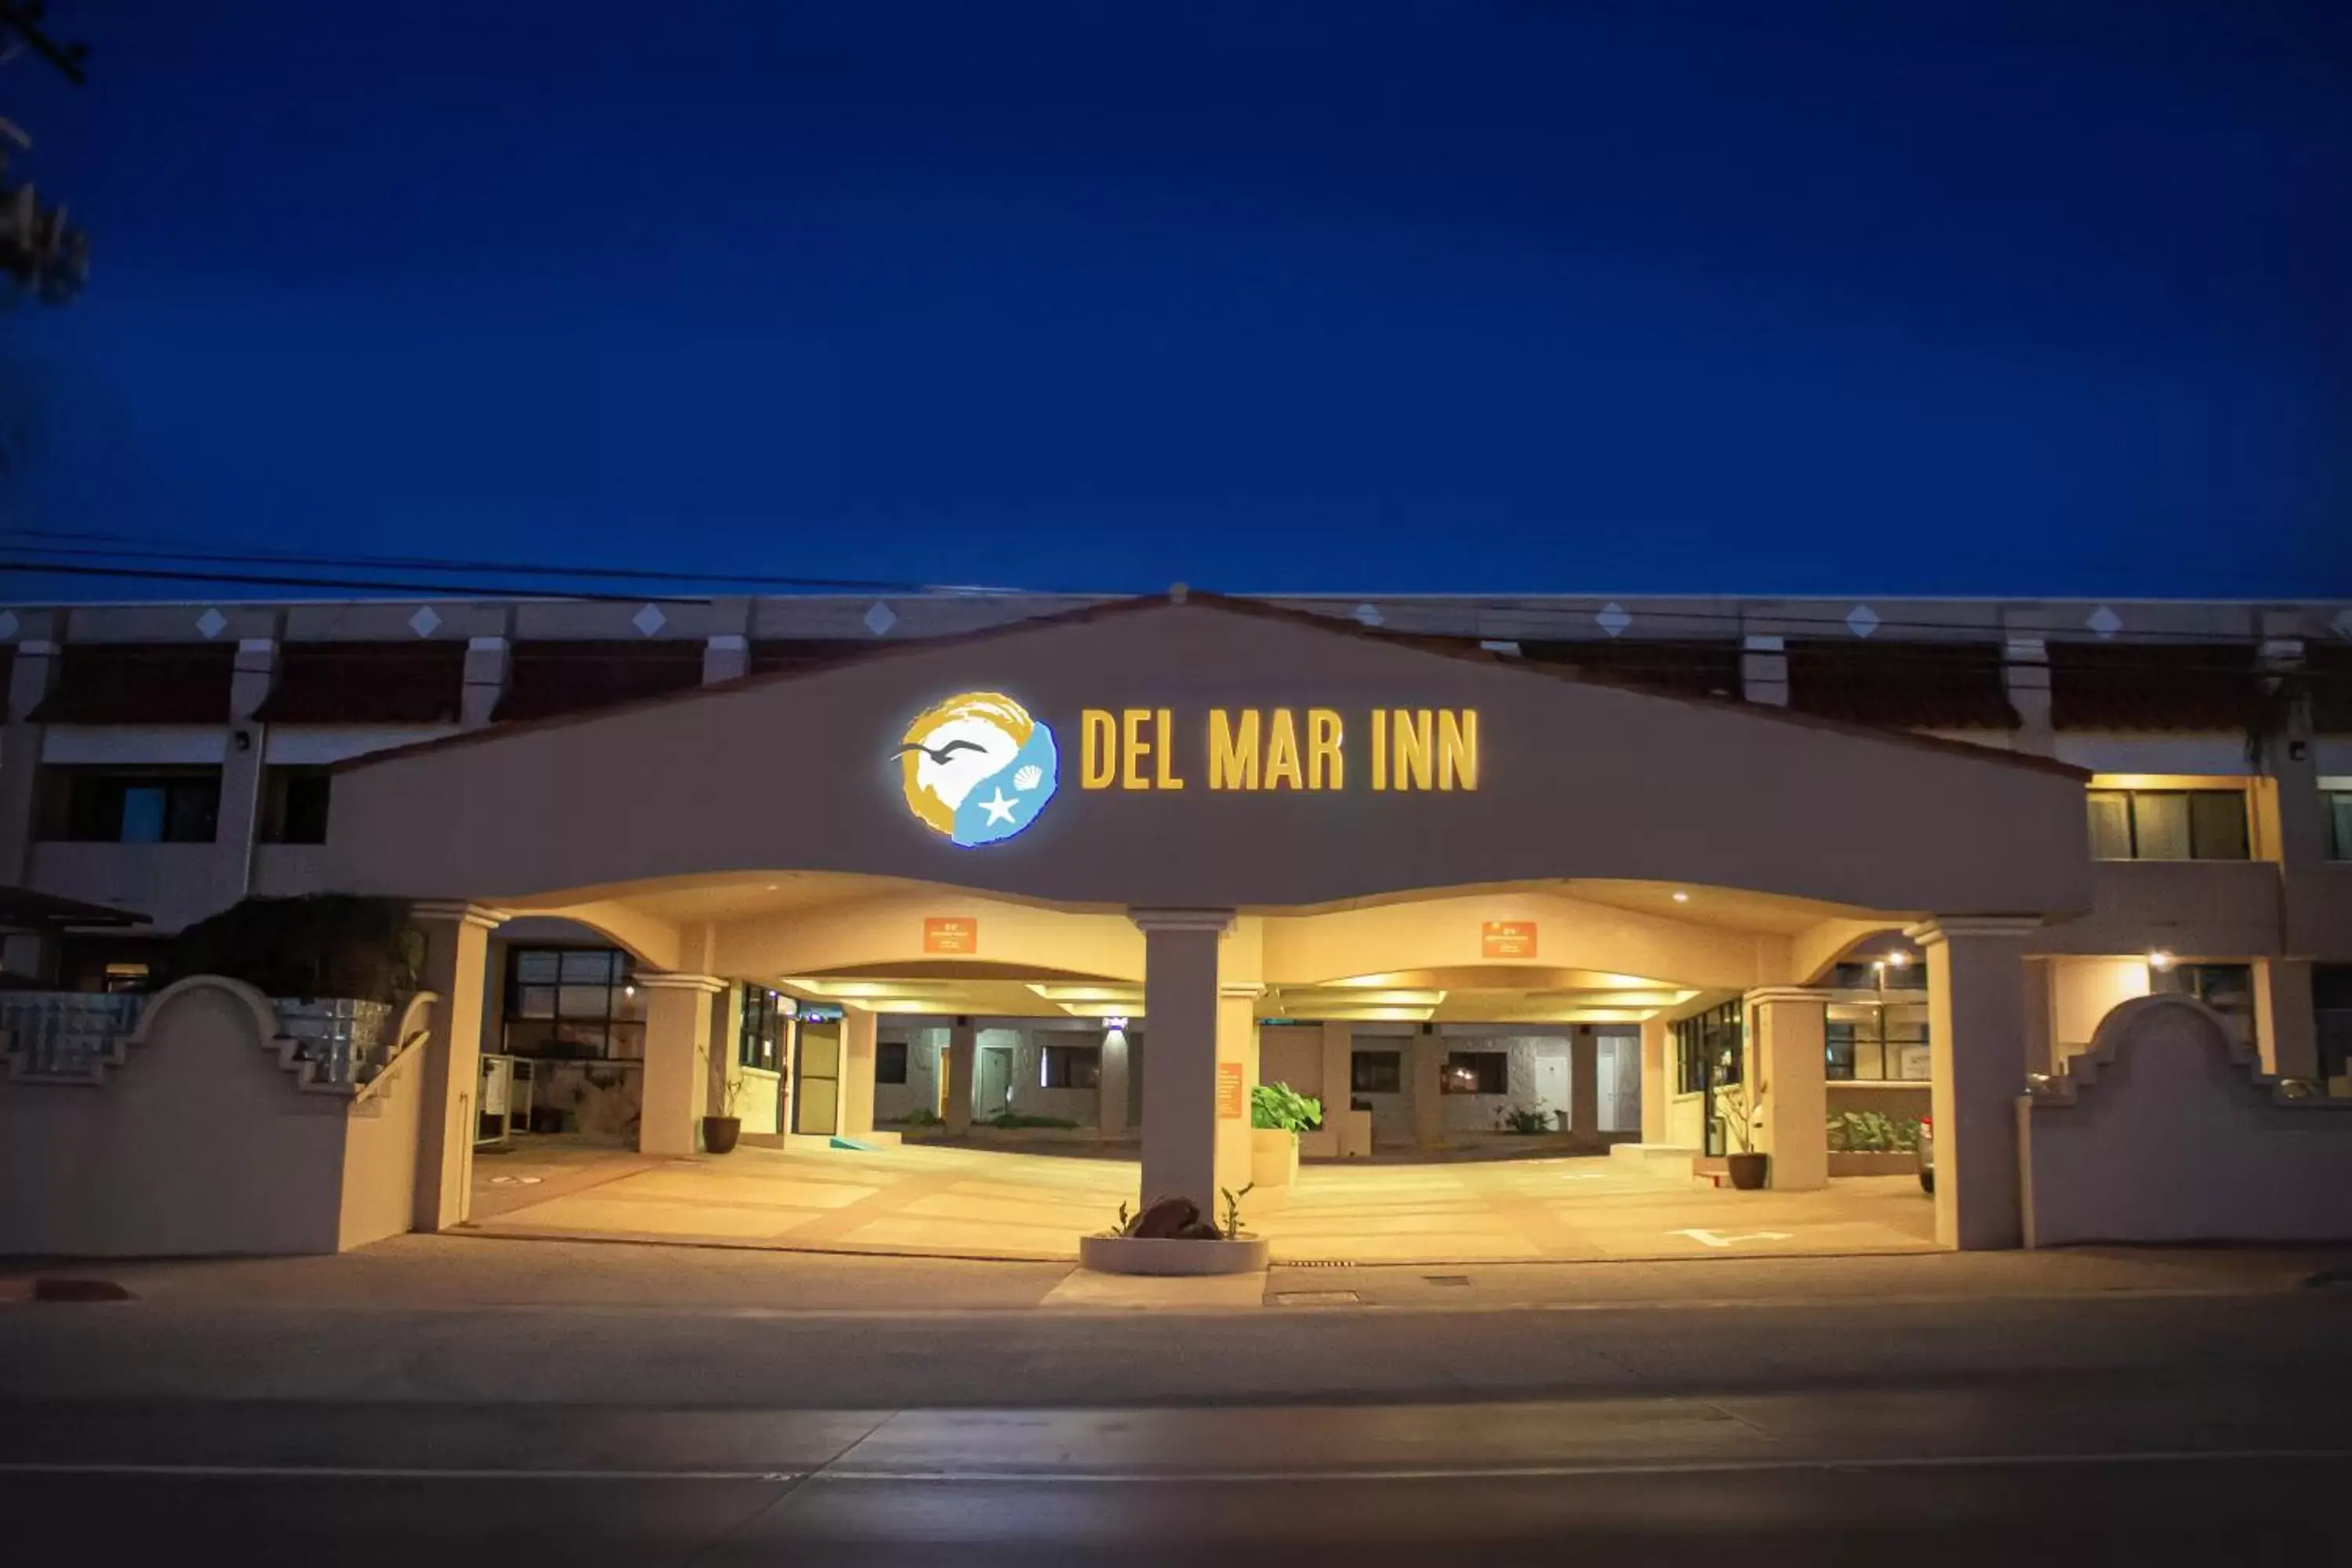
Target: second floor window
[[129, 805], [2168, 825], [294, 806]]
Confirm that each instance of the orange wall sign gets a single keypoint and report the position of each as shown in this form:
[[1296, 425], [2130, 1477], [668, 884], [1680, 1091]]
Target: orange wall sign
[[951, 933], [1507, 939], [1229, 1092]]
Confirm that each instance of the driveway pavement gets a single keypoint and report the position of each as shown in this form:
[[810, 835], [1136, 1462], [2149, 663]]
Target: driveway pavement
[[934, 1202]]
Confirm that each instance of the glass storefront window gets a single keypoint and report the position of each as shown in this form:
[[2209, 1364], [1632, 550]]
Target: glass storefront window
[[570, 1003]]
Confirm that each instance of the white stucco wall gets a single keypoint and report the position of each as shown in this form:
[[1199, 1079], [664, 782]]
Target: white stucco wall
[[1532, 1088], [926, 1060]]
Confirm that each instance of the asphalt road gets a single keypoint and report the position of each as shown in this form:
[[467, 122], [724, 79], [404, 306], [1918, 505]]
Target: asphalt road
[[1891, 1432]]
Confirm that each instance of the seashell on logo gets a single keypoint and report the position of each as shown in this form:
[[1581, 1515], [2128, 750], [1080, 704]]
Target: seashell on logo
[[976, 768]]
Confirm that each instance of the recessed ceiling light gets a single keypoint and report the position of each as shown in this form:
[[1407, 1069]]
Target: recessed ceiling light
[[1681, 896]]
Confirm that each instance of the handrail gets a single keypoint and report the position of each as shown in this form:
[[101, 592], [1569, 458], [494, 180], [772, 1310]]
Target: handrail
[[410, 1039]]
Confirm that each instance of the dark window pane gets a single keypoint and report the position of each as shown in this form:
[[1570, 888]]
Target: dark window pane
[[536, 967], [1376, 1072], [2339, 810], [584, 1001], [1477, 1072], [890, 1062], [2217, 825], [581, 968], [142, 814], [2161, 825], [2110, 826], [535, 1002]]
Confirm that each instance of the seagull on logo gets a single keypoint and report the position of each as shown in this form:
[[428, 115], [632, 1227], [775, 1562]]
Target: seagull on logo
[[939, 755]]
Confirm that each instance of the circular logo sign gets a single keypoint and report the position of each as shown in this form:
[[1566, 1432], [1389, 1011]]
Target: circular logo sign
[[977, 768]]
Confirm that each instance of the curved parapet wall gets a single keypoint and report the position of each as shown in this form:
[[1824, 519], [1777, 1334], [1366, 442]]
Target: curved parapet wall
[[201, 1132], [2167, 1130]]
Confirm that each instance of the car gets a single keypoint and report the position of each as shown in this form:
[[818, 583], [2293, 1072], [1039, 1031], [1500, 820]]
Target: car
[[1926, 1154]]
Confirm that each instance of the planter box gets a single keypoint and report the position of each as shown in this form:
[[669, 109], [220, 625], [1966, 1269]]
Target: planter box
[[1875, 1162], [1274, 1157], [1136, 1255]]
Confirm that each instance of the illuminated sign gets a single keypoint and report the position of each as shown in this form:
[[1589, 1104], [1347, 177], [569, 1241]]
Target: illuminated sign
[[951, 933], [1258, 749], [976, 768], [1507, 939]]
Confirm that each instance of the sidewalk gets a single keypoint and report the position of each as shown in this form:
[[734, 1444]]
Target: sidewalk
[[460, 1272]]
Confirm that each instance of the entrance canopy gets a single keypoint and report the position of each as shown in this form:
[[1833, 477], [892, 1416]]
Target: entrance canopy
[[1204, 753]]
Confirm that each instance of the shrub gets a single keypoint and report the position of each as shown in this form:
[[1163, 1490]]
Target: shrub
[[1013, 1119], [1872, 1132], [922, 1116], [1279, 1107], [1512, 1118], [322, 944]]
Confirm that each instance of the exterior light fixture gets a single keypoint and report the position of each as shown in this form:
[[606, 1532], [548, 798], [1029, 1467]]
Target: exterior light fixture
[[1114, 1021], [2159, 958], [1898, 959], [628, 990], [1681, 896]]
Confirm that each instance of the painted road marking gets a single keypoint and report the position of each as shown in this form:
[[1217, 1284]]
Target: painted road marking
[[1716, 1238]]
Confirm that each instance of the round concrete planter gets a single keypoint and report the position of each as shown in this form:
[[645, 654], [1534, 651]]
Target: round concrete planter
[[1140, 1254]]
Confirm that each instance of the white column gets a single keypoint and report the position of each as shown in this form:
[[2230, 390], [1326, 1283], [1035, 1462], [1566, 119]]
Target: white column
[[678, 1061], [2286, 1027], [1236, 1052], [1584, 1082], [1977, 1040], [1110, 1092], [963, 1048], [486, 680], [1180, 1009], [1655, 1088], [1428, 1067], [2025, 677], [858, 1050], [457, 955], [1764, 670], [1789, 1064], [32, 675]]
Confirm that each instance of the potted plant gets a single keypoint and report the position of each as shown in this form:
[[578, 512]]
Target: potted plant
[[719, 1132], [1278, 1114], [1742, 1108]]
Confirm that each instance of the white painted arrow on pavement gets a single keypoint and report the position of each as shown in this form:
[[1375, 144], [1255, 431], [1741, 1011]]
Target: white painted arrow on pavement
[[1716, 1238]]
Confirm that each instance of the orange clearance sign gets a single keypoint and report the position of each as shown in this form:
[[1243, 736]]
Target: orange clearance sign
[[951, 933], [1507, 939], [1229, 1092]]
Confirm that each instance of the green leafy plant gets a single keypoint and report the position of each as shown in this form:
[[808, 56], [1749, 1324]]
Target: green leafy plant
[[1008, 1119], [1526, 1123], [1741, 1108], [322, 944], [1872, 1132], [923, 1116], [1232, 1227], [1277, 1106]]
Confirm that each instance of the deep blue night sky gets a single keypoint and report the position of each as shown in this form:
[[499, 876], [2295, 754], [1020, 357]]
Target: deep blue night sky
[[2000, 295]]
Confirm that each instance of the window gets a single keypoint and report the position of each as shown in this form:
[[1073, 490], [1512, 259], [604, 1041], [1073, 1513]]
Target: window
[[572, 1002], [2227, 988], [759, 1036], [2339, 817], [890, 1062], [2168, 825], [2331, 1008], [1875, 1042], [1070, 1067], [1376, 1072], [294, 806], [117, 805], [1477, 1072]]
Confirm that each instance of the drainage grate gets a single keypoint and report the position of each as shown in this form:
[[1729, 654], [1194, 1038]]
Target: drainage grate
[[1447, 1278], [1314, 1263]]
